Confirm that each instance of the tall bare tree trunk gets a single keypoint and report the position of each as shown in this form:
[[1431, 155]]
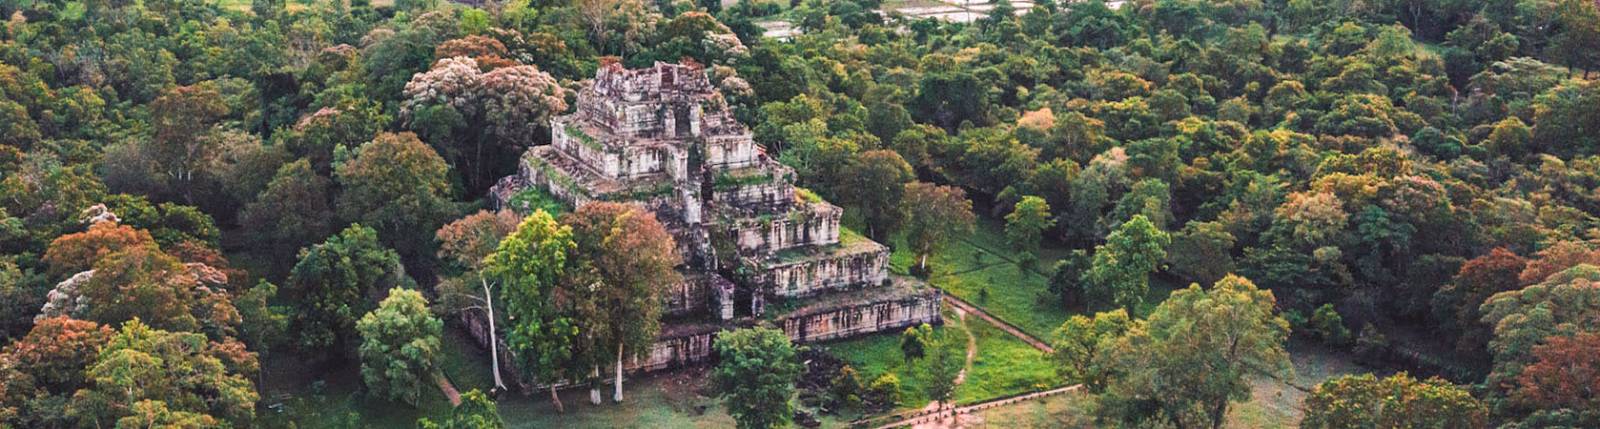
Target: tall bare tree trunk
[[556, 399], [618, 395], [594, 385], [494, 341]]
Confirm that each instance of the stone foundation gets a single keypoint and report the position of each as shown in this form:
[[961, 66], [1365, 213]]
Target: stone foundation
[[867, 312], [810, 271], [815, 224]]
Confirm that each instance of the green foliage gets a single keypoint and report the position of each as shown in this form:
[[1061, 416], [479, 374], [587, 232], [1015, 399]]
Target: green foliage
[[1202, 252], [1027, 222], [400, 347], [334, 284], [756, 372], [293, 211], [1082, 341], [875, 185], [476, 411], [1193, 356], [1359, 401], [397, 186], [933, 215], [940, 364], [182, 372], [527, 266], [1120, 273]]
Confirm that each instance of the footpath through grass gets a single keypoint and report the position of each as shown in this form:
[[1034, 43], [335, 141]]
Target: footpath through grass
[[1003, 365]]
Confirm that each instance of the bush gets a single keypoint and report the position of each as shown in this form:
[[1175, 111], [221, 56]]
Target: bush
[[883, 393], [1328, 326], [1372, 348], [845, 389]]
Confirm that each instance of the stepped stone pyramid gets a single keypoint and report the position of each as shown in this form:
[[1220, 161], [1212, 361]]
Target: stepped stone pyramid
[[755, 246]]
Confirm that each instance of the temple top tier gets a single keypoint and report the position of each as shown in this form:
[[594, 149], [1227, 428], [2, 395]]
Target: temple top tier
[[662, 82], [665, 101]]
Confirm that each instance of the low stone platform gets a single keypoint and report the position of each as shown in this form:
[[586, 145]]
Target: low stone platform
[[811, 270]]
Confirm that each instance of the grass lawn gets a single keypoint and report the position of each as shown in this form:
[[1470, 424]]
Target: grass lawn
[[982, 269], [672, 400], [1004, 366], [874, 355]]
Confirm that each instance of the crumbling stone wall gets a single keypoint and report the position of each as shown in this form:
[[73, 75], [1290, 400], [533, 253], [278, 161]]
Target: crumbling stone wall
[[811, 276], [808, 225], [865, 318]]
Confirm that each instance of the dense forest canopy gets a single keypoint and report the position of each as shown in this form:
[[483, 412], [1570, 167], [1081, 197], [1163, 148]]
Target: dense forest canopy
[[190, 189]]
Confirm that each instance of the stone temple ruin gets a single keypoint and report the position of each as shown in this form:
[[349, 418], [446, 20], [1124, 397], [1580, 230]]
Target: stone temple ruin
[[755, 247]]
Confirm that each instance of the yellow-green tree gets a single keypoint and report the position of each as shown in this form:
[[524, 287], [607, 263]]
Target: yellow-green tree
[[400, 346], [1195, 354]]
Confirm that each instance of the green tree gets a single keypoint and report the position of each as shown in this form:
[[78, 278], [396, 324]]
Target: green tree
[[1120, 273], [1026, 223], [1510, 138], [934, 214], [334, 284], [1202, 251], [293, 211], [875, 183], [1149, 197], [174, 159], [528, 267], [948, 98], [397, 186], [942, 362], [1081, 343], [1195, 354], [1066, 279], [476, 411], [1574, 44], [756, 372], [400, 347], [911, 346], [1397, 401]]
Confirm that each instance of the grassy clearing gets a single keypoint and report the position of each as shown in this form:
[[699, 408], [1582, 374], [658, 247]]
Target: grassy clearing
[[667, 401], [875, 355], [1004, 366], [982, 269]]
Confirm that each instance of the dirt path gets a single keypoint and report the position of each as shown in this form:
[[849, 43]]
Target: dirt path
[[949, 418], [965, 307], [972, 353]]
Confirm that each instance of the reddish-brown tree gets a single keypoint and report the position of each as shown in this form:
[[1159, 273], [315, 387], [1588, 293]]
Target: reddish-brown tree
[[633, 258], [1565, 374], [469, 239], [54, 354], [1557, 258], [76, 252], [1479, 278]]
